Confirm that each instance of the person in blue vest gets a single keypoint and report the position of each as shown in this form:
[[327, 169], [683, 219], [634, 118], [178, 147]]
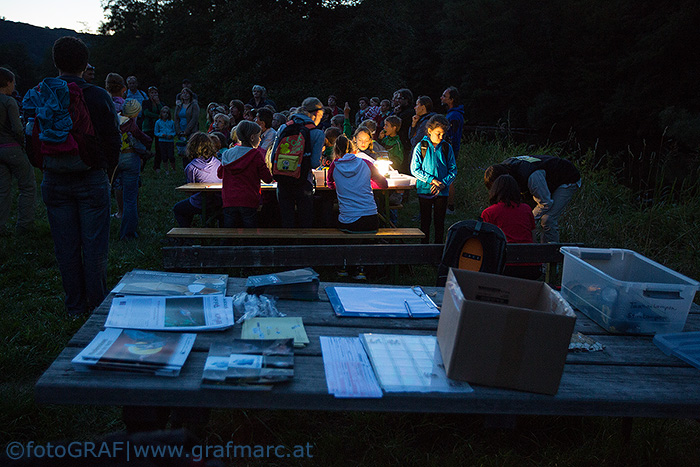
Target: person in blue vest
[[78, 203], [549, 180]]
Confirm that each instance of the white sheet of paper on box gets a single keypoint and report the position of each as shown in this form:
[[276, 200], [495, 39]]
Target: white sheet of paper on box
[[348, 371]]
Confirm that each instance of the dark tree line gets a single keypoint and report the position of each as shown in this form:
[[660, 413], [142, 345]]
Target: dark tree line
[[622, 71]]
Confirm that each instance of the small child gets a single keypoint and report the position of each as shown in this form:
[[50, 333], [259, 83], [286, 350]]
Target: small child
[[331, 135], [373, 109], [165, 131], [351, 176], [129, 168], [365, 143], [515, 219], [203, 169], [384, 112], [389, 138], [243, 168], [220, 143], [433, 164], [263, 117]]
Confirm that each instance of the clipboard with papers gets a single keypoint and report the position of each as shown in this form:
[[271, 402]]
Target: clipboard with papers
[[382, 302]]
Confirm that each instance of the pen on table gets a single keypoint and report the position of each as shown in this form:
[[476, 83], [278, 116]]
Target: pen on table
[[408, 308]]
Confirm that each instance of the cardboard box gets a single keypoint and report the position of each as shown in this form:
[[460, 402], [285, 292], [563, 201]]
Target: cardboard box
[[501, 331]]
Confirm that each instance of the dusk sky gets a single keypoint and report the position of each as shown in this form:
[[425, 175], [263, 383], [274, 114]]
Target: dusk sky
[[79, 15]]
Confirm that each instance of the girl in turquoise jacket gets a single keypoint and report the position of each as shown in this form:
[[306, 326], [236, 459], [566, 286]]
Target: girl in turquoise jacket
[[434, 166]]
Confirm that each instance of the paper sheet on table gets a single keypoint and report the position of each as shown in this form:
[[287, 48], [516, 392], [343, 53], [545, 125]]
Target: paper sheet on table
[[276, 328], [347, 368]]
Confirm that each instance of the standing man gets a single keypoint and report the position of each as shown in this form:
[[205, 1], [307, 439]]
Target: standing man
[[455, 115], [260, 99], [77, 203], [550, 180], [133, 92], [403, 108]]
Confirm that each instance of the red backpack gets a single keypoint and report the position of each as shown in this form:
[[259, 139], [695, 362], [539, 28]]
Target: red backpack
[[78, 150]]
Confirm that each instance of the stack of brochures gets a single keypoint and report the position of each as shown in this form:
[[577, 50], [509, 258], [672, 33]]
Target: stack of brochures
[[131, 350], [249, 364], [299, 284], [142, 282], [171, 301]]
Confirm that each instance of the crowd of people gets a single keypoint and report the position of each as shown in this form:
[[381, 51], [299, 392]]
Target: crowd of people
[[242, 145]]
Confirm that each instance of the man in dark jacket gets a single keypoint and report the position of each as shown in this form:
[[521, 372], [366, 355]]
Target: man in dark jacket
[[78, 203], [550, 180]]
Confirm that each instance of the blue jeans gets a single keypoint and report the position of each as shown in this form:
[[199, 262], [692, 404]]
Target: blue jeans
[[240, 217], [129, 169], [77, 206], [299, 194]]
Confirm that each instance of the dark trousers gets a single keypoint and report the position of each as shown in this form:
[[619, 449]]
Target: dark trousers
[[184, 213], [240, 217], [433, 209], [297, 194], [363, 224]]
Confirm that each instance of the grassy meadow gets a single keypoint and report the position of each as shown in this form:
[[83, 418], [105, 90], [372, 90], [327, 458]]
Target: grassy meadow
[[34, 330]]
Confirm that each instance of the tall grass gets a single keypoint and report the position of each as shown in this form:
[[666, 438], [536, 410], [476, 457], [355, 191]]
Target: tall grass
[[34, 330]]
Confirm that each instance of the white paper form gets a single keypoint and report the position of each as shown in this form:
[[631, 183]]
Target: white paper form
[[405, 363], [348, 371]]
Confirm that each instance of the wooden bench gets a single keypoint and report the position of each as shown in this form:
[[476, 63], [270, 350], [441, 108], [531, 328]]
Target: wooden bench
[[295, 234], [295, 256]]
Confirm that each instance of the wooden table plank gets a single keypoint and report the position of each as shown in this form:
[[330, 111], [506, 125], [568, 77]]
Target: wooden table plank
[[315, 233], [585, 390]]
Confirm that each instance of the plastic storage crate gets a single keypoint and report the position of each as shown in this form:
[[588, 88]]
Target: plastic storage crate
[[624, 292]]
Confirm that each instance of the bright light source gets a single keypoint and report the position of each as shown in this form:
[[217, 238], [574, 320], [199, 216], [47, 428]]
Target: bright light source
[[383, 166]]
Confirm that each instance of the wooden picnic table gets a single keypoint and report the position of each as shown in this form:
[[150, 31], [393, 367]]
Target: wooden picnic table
[[631, 377], [384, 192]]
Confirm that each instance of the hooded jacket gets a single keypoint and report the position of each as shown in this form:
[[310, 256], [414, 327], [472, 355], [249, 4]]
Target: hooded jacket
[[351, 176], [241, 171], [438, 163], [454, 136], [201, 171]]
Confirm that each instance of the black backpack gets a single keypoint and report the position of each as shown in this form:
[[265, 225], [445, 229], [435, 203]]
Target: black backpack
[[474, 245]]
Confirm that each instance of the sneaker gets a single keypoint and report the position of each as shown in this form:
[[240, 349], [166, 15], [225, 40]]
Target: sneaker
[[450, 210], [342, 273], [360, 275]]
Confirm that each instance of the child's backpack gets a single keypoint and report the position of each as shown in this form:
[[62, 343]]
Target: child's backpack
[[62, 138], [291, 160], [473, 245]]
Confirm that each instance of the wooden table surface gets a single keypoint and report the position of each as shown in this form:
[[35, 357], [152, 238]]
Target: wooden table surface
[[213, 187], [631, 377]]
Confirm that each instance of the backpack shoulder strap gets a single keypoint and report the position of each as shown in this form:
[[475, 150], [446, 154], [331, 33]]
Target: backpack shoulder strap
[[423, 149]]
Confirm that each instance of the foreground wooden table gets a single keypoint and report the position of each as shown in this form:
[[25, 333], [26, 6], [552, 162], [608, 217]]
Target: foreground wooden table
[[630, 378]]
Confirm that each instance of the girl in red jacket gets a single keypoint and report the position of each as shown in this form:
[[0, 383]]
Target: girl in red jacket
[[242, 168]]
